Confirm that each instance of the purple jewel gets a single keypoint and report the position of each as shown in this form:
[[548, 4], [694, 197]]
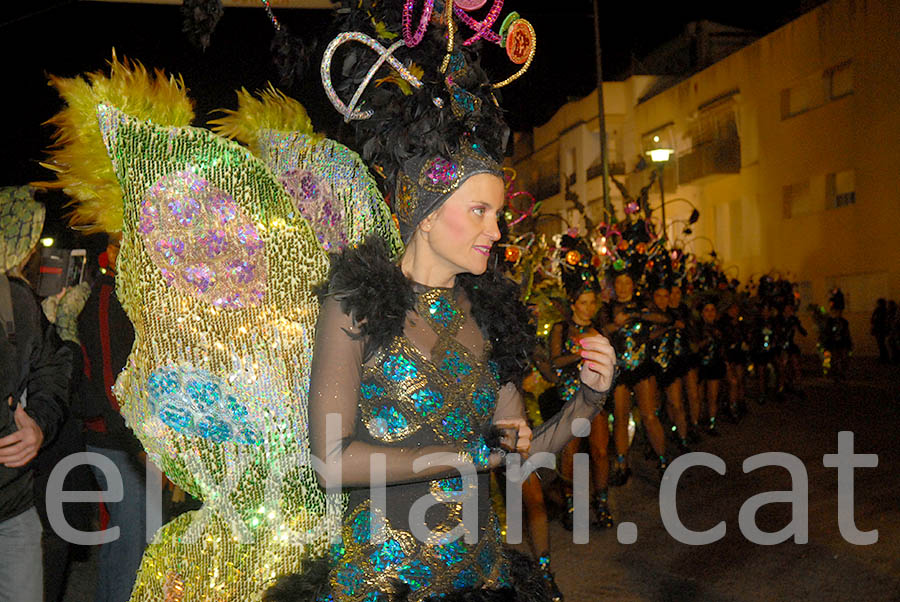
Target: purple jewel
[[214, 241], [185, 210], [201, 276], [308, 186], [441, 171]]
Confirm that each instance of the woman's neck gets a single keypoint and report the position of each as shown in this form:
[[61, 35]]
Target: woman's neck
[[419, 264]]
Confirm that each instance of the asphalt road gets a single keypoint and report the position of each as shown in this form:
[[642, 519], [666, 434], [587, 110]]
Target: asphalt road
[[656, 567]]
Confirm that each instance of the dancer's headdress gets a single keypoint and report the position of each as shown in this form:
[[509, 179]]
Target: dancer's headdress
[[432, 121]]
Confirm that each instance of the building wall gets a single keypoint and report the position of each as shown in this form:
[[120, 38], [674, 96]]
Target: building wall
[[838, 69]]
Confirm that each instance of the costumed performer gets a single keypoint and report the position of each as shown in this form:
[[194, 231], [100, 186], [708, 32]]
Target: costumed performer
[[417, 359], [579, 278]]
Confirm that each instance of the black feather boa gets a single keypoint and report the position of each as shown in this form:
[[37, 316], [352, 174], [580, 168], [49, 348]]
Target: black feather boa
[[373, 290]]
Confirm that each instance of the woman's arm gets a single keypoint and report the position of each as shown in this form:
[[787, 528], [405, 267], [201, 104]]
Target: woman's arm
[[333, 407], [558, 357]]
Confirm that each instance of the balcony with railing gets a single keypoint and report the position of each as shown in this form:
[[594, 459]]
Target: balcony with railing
[[616, 168]]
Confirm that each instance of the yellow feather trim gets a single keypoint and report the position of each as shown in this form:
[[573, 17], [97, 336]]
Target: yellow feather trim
[[270, 109], [78, 156]]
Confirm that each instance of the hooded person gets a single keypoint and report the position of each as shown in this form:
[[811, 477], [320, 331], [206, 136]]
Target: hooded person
[[34, 394]]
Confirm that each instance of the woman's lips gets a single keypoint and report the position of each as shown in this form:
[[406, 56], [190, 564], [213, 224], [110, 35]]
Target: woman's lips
[[482, 249]]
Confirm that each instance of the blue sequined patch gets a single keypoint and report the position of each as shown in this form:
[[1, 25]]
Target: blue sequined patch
[[451, 484], [454, 365], [442, 312], [451, 553], [416, 573], [350, 576], [456, 424], [484, 399], [398, 368], [388, 554], [479, 451], [427, 401], [371, 390], [387, 420], [360, 527], [466, 579], [196, 402]]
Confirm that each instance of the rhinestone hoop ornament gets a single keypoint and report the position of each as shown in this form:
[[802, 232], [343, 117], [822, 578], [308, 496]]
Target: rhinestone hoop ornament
[[385, 55], [482, 29], [410, 38]]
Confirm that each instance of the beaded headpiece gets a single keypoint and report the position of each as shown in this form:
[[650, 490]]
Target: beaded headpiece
[[424, 111], [424, 183]]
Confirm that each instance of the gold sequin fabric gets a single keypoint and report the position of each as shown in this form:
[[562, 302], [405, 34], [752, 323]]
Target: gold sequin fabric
[[215, 272]]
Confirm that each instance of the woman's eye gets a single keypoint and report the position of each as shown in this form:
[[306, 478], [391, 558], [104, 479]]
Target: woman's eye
[[479, 211]]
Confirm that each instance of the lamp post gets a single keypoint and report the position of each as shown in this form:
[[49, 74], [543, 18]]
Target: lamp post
[[660, 156]]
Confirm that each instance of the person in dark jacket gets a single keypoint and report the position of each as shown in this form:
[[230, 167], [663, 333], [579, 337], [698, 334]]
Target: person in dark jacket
[[106, 336], [35, 369]]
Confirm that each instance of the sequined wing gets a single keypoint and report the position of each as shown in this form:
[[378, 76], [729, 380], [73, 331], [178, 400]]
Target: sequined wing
[[330, 186], [215, 271]]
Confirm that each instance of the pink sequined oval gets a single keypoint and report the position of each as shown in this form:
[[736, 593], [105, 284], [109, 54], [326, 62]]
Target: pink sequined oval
[[314, 199], [202, 242]]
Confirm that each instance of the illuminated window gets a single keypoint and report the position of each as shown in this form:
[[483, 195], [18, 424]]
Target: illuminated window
[[840, 189]]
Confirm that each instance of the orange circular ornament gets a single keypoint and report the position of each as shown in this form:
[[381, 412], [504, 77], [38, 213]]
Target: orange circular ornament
[[520, 41], [573, 257], [596, 261], [512, 254], [623, 244], [640, 247]]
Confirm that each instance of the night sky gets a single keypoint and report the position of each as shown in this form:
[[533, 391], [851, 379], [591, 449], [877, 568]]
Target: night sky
[[66, 38]]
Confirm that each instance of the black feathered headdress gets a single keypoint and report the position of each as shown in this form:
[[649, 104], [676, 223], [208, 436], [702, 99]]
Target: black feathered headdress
[[425, 113]]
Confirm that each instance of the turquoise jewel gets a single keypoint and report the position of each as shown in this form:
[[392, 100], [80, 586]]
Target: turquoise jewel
[[427, 401]]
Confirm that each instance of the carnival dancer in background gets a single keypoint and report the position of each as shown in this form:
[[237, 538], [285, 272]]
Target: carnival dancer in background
[[712, 369], [628, 326], [583, 290], [790, 352], [668, 349], [764, 349], [686, 322], [734, 339], [836, 335]]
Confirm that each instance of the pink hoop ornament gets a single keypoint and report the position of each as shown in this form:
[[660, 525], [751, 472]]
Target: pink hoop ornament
[[410, 38], [521, 44], [350, 111], [482, 29], [470, 5]]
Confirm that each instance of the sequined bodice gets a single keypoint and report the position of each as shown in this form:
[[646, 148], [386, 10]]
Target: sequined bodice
[[630, 340], [409, 397]]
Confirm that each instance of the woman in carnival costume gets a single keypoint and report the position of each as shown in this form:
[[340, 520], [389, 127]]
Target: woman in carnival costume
[[669, 347], [628, 323], [711, 358], [583, 291], [790, 351], [686, 322], [418, 357]]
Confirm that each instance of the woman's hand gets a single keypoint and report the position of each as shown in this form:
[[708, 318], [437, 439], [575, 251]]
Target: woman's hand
[[599, 363], [516, 435]]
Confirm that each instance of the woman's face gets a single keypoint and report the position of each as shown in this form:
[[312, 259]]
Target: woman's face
[[586, 306], [709, 313], [733, 310], [624, 287], [675, 296], [462, 231], [661, 298]]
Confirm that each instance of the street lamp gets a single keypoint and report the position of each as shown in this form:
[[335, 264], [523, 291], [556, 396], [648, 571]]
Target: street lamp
[[660, 156]]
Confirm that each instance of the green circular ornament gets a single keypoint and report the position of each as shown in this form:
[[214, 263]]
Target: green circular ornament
[[507, 23]]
